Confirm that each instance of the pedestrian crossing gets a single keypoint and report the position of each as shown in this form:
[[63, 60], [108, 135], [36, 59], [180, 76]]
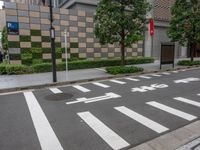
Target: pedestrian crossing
[[110, 137], [119, 81], [100, 126]]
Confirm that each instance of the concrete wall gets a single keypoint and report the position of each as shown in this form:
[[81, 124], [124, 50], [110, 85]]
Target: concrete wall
[[79, 24]]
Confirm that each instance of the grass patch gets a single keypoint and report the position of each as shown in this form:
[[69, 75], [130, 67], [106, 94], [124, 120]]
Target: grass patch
[[123, 70]]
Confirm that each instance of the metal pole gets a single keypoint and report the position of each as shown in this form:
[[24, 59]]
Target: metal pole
[[53, 53], [66, 55]]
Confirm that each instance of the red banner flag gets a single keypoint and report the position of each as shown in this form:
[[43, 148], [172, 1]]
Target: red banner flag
[[151, 27]]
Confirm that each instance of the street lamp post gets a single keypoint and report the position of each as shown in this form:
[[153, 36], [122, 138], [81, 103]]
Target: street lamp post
[[52, 34]]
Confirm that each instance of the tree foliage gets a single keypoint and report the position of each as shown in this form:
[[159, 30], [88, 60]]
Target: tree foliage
[[120, 21], [185, 23], [4, 39]]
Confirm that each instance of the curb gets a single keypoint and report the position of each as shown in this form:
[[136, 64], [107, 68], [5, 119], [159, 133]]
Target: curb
[[42, 86]]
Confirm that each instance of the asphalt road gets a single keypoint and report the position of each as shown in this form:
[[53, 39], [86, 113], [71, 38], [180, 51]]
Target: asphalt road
[[110, 114]]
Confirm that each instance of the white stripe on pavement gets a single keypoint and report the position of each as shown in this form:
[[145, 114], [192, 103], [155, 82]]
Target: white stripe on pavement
[[166, 73], [132, 79], [175, 71], [172, 111], [80, 88], [117, 81], [156, 75], [56, 90], [109, 136], [198, 94], [145, 77], [101, 85], [47, 138], [188, 101], [141, 119]]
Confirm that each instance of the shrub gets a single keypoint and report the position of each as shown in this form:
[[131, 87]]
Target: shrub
[[37, 53], [36, 32], [188, 63], [36, 44], [14, 69], [123, 69], [45, 67], [58, 53], [73, 45], [37, 61], [25, 50], [25, 38], [14, 56]]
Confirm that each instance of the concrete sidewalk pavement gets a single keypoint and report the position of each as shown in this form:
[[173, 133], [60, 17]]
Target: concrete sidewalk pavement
[[17, 81]]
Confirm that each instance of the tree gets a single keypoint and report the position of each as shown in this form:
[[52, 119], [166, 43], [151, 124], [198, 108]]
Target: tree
[[120, 21], [4, 39], [185, 24]]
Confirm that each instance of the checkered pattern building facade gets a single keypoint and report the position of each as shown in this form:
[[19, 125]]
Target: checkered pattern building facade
[[34, 35]]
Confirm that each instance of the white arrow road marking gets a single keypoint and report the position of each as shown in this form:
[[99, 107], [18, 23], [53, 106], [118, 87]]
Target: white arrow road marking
[[80, 88], [117, 81], [48, 139], [141, 119], [156, 75], [95, 99], [187, 80], [101, 85], [109, 136], [56, 90], [132, 79], [145, 77], [188, 101], [166, 73], [172, 111]]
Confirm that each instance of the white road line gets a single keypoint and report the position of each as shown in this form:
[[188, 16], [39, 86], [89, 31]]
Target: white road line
[[145, 77], [166, 73], [175, 71], [198, 94], [109, 136], [188, 101], [55, 90], [132, 79], [141, 119], [80, 88], [172, 111], [156, 75], [101, 85], [117, 81], [48, 139]]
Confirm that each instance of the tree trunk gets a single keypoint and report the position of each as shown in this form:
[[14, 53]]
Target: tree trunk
[[192, 52], [122, 48]]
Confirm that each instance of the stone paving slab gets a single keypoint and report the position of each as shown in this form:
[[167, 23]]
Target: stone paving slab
[[175, 140]]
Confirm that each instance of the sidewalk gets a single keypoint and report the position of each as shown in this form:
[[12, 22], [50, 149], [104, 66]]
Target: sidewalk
[[185, 138], [14, 81]]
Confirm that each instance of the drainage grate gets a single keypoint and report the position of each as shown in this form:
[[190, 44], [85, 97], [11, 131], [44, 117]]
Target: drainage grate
[[59, 97]]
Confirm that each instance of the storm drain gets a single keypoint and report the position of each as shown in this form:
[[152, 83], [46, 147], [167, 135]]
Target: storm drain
[[59, 97], [194, 145]]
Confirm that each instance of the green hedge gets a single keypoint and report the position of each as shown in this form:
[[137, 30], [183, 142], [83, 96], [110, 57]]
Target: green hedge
[[25, 38], [123, 70], [12, 44], [36, 44], [14, 69], [15, 56], [188, 63], [46, 39], [80, 64], [25, 50]]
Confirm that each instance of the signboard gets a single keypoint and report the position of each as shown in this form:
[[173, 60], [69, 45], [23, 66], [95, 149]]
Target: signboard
[[167, 54], [13, 28], [151, 27]]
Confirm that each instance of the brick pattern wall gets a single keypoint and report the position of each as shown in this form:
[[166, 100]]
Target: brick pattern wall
[[34, 34]]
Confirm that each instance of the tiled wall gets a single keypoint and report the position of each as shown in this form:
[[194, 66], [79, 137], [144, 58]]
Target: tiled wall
[[34, 32]]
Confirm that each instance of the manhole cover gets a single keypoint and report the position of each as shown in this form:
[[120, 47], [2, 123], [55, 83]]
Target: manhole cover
[[59, 97]]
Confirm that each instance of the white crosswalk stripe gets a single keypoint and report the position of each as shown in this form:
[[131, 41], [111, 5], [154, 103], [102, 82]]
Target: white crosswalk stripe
[[117, 81], [141, 119], [156, 75], [101, 85], [132, 79], [109, 136], [145, 77], [81, 88], [173, 111], [48, 139], [175, 71], [188, 101], [166, 73], [56, 90]]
